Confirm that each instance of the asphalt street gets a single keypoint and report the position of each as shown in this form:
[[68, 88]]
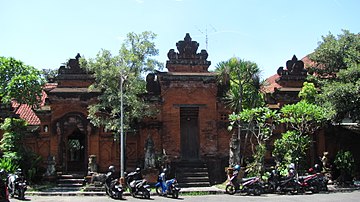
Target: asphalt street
[[321, 197]]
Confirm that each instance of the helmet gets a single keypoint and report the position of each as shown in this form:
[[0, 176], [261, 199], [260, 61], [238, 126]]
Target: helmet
[[112, 168], [137, 170], [164, 170], [237, 167], [291, 166], [317, 168]]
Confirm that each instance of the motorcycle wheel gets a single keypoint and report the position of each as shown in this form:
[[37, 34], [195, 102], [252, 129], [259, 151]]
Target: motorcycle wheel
[[175, 194], [21, 194], [230, 189], [315, 189], [158, 190], [146, 193], [257, 191]]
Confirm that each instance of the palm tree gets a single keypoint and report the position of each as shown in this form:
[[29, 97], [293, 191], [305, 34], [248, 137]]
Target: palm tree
[[244, 79]]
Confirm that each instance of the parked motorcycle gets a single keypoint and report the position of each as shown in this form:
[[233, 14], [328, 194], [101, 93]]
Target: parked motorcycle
[[277, 183], [313, 182], [165, 187], [17, 184], [246, 185], [112, 185], [4, 193], [137, 185]]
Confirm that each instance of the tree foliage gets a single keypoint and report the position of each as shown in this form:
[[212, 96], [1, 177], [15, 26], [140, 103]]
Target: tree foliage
[[20, 82], [336, 69], [342, 94], [335, 53], [259, 123], [291, 148], [244, 78], [304, 117], [132, 62]]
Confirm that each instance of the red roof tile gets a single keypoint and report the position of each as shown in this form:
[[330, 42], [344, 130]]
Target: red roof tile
[[26, 112]]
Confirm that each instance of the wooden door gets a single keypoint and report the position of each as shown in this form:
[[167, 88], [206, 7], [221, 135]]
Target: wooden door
[[189, 129]]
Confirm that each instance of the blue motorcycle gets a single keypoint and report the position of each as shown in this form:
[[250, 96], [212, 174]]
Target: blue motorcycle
[[165, 187]]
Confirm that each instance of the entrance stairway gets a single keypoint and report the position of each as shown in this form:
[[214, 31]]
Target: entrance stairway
[[70, 182], [192, 174]]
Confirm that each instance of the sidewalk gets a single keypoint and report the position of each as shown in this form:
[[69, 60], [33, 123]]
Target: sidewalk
[[199, 190]]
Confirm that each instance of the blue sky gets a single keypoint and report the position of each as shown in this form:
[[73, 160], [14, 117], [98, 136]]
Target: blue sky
[[46, 33]]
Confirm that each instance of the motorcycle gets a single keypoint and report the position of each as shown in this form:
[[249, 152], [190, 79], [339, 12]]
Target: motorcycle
[[246, 185], [112, 185], [276, 183], [17, 184], [170, 187], [314, 182], [4, 193], [137, 186]]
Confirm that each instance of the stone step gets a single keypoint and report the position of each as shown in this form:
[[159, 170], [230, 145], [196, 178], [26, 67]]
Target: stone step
[[194, 184], [195, 179]]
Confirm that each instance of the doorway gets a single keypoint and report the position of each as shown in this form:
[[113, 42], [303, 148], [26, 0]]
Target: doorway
[[76, 152], [189, 133]]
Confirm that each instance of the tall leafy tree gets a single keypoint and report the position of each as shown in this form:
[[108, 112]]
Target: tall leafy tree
[[335, 53], [19, 82], [342, 95], [302, 119], [336, 68], [244, 79], [129, 66], [260, 123]]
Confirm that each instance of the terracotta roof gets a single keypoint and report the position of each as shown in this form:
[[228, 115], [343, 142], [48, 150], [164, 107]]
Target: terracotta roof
[[26, 112], [270, 84]]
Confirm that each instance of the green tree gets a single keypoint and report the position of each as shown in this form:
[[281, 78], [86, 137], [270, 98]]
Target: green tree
[[290, 148], [335, 53], [244, 79], [342, 96], [308, 92], [304, 117], [259, 122], [132, 62], [19, 82]]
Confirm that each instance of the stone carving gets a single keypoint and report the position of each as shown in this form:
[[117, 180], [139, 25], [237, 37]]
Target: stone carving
[[293, 67], [188, 55], [234, 157], [152, 84], [149, 153], [72, 67], [92, 166], [50, 169]]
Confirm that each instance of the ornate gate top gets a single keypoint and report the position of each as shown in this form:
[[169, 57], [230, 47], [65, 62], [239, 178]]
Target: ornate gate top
[[187, 60]]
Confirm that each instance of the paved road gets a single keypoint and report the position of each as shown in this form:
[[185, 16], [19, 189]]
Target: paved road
[[322, 197]]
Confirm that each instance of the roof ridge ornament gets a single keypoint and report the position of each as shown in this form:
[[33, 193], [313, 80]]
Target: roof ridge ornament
[[187, 55]]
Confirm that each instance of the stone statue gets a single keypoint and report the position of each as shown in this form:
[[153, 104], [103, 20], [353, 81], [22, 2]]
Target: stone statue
[[92, 166], [325, 161], [149, 153], [50, 170], [234, 157]]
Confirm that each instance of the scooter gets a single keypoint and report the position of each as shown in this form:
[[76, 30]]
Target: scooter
[[170, 187], [4, 193], [137, 187], [113, 187], [246, 185], [314, 182], [17, 184]]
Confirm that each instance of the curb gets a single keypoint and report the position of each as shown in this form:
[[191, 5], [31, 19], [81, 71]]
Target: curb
[[201, 191]]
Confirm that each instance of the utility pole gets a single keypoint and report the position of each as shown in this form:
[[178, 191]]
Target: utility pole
[[122, 156]]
